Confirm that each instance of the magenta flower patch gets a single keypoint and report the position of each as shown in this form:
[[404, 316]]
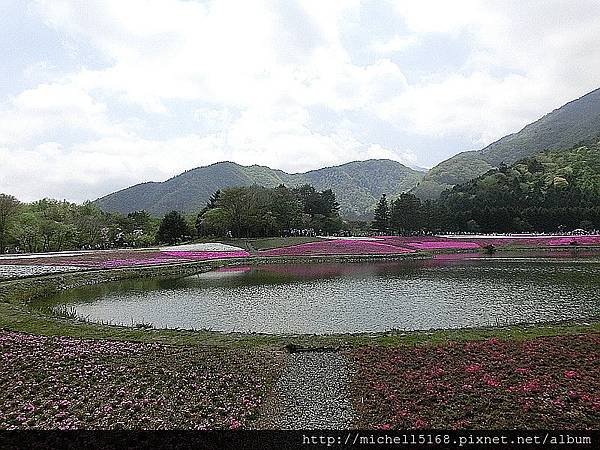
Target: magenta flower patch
[[208, 255], [337, 247], [497, 384]]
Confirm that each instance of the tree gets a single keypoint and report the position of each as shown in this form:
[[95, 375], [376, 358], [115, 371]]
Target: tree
[[172, 228], [381, 220], [27, 231], [286, 209], [214, 221], [238, 206], [321, 207], [202, 228], [9, 206], [90, 222], [406, 214]]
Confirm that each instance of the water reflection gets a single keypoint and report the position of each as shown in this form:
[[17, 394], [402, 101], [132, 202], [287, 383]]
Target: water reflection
[[449, 291]]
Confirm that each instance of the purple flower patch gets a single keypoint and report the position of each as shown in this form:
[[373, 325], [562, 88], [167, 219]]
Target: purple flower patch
[[338, 247]]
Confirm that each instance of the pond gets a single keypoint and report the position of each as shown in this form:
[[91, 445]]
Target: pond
[[446, 292]]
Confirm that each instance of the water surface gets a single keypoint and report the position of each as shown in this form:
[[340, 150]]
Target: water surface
[[448, 292]]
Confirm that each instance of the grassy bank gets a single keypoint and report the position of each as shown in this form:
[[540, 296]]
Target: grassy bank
[[17, 315]]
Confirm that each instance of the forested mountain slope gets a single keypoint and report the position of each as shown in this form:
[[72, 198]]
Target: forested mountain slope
[[575, 122], [357, 186]]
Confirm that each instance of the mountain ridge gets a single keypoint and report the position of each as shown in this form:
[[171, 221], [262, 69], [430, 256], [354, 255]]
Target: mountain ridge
[[574, 122], [357, 185]]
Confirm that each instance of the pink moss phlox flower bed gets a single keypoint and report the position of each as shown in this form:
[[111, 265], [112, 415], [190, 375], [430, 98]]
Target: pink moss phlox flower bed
[[444, 245], [127, 258], [550, 382], [209, 255], [531, 241], [429, 243], [337, 247], [101, 259], [65, 383], [467, 243], [170, 257], [571, 240]]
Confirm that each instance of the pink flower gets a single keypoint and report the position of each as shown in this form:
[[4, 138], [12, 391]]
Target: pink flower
[[570, 374], [490, 381], [420, 423], [438, 372], [234, 424], [337, 247], [473, 368], [531, 386]]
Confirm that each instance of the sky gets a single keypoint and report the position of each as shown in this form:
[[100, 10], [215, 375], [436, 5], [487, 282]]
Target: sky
[[98, 95]]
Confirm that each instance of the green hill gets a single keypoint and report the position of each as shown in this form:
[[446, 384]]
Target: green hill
[[543, 192], [357, 186], [575, 122], [530, 180]]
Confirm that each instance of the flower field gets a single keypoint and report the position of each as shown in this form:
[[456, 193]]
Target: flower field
[[65, 383], [377, 245], [338, 247], [426, 243], [544, 383], [466, 242], [122, 258], [528, 241]]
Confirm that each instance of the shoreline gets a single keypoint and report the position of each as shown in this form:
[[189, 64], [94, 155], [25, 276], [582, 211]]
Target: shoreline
[[17, 315]]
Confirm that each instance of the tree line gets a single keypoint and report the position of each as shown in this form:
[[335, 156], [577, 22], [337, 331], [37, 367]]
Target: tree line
[[254, 211], [550, 192], [52, 225]]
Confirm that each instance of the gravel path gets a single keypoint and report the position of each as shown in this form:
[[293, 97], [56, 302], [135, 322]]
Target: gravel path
[[311, 393]]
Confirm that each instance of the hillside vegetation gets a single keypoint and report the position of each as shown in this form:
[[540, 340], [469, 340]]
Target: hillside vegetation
[[553, 191], [550, 190], [356, 185], [573, 123]]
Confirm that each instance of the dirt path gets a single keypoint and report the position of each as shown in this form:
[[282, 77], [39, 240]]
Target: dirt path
[[312, 393]]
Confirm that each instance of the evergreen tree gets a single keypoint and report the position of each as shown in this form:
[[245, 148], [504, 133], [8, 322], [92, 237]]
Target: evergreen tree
[[213, 202], [172, 228], [405, 216], [381, 220]]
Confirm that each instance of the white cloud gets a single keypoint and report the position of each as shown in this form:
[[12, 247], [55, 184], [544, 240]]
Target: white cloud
[[177, 84], [395, 44]]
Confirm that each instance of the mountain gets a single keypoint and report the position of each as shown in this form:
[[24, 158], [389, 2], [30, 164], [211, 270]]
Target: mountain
[[357, 186], [542, 192], [575, 122], [531, 180]]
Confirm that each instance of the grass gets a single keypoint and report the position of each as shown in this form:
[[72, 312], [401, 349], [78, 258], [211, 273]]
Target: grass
[[20, 318]]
